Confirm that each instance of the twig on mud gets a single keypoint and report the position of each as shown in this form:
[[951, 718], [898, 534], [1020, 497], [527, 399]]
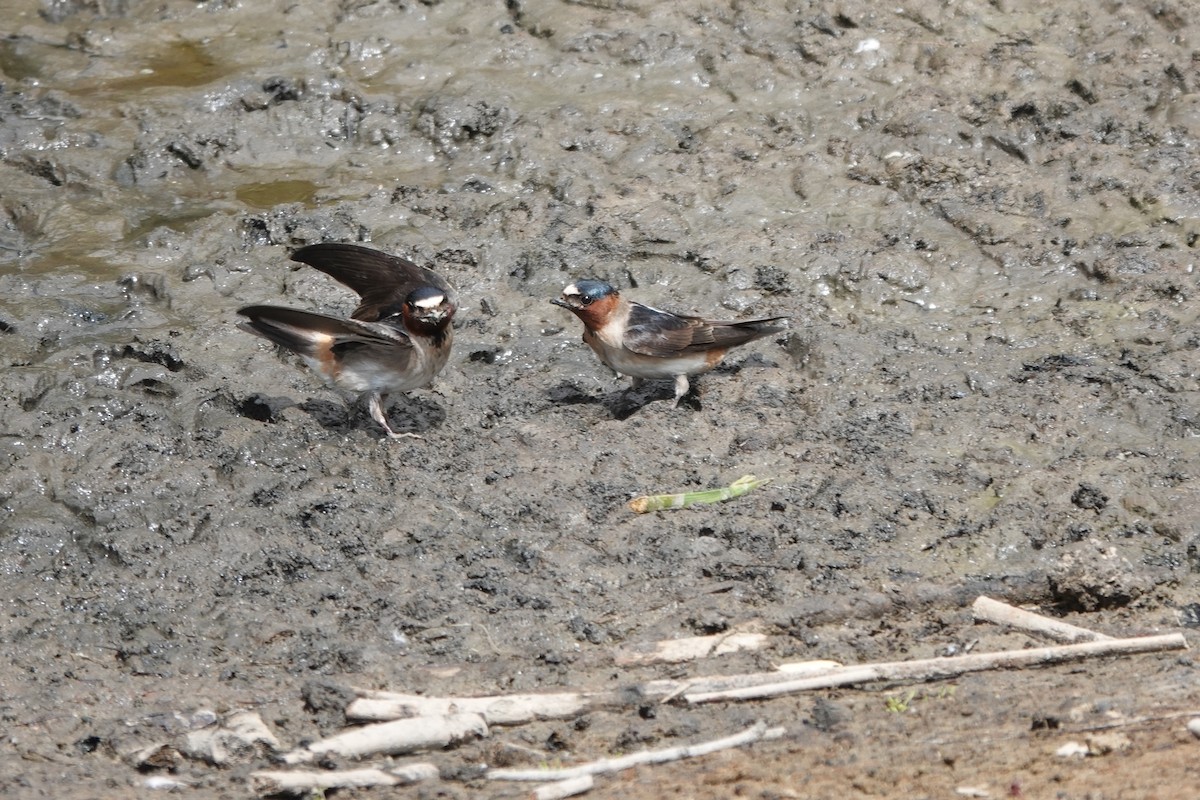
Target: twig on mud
[[516, 709], [269, 782], [394, 738], [932, 668], [797, 668], [757, 732], [1125, 723], [512, 709], [989, 610], [667, 690], [674, 651], [561, 789], [666, 502], [668, 687]]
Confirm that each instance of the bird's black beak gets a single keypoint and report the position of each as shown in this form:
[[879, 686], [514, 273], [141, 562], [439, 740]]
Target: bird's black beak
[[562, 303]]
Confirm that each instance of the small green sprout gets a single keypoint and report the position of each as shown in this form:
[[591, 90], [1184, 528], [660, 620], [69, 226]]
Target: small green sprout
[[665, 502], [898, 704]]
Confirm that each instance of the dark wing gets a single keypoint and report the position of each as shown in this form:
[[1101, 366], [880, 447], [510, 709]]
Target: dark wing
[[381, 280], [307, 334], [651, 332], [737, 332]]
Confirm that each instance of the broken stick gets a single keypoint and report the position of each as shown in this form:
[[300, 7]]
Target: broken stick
[[933, 668], [674, 651], [268, 782], [560, 789], [987, 609], [757, 732], [394, 738], [516, 709], [511, 709]]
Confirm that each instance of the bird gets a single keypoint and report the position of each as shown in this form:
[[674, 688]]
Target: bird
[[646, 343], [397, 339]]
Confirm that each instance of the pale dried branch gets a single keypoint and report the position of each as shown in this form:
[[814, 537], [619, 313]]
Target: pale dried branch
[[515, 709], [394, 738], [674, 651], [268, 782], [560, 789], [989, 610], [798, 668], [759, 731], [932, 668], [512, 709]]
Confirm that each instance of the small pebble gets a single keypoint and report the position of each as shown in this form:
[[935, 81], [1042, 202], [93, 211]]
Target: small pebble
[[1193, 726], [160, 782], [1072, 750]]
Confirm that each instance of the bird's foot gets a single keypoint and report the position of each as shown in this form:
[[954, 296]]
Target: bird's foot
[[681, 388], [376, 405]]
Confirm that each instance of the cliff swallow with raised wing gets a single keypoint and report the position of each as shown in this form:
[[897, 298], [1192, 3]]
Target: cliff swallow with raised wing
[[646, 343], [397, 339]]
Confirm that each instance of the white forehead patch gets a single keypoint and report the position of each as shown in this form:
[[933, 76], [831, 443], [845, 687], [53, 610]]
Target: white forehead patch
[[430, 302], [571, 290]]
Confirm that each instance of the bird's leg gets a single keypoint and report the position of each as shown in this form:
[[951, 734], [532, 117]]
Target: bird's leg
[[681, 388], [376, 405]]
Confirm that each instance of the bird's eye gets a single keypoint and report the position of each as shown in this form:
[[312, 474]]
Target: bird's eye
[[585, 300]]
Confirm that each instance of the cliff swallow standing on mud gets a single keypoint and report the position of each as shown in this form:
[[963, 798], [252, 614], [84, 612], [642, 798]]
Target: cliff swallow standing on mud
[[646, 343], [397, 339]]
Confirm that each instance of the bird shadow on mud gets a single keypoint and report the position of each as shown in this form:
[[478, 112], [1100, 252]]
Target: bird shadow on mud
[[625, 403], [258, 407], [405, 415]]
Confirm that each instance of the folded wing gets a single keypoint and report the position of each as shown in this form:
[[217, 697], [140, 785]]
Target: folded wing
[[651, 332]]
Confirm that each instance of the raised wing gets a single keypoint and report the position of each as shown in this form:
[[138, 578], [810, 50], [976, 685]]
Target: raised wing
[[382, 281], [306, 333]]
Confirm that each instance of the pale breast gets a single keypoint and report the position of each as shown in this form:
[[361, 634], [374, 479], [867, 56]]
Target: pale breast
[[637, 365], [392, 369]]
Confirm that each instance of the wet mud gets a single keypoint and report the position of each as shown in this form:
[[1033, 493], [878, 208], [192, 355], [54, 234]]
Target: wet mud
[[981, 219]]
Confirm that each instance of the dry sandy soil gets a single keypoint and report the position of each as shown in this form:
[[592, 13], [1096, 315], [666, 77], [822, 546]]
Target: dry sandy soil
[[981, 217]]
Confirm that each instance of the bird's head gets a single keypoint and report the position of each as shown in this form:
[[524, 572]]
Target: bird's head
[[590, 300]]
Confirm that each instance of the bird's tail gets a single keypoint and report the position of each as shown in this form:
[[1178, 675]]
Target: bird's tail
[[299, 331], [731, 334]]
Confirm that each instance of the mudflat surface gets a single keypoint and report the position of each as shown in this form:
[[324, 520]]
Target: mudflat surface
[[981, 218]]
